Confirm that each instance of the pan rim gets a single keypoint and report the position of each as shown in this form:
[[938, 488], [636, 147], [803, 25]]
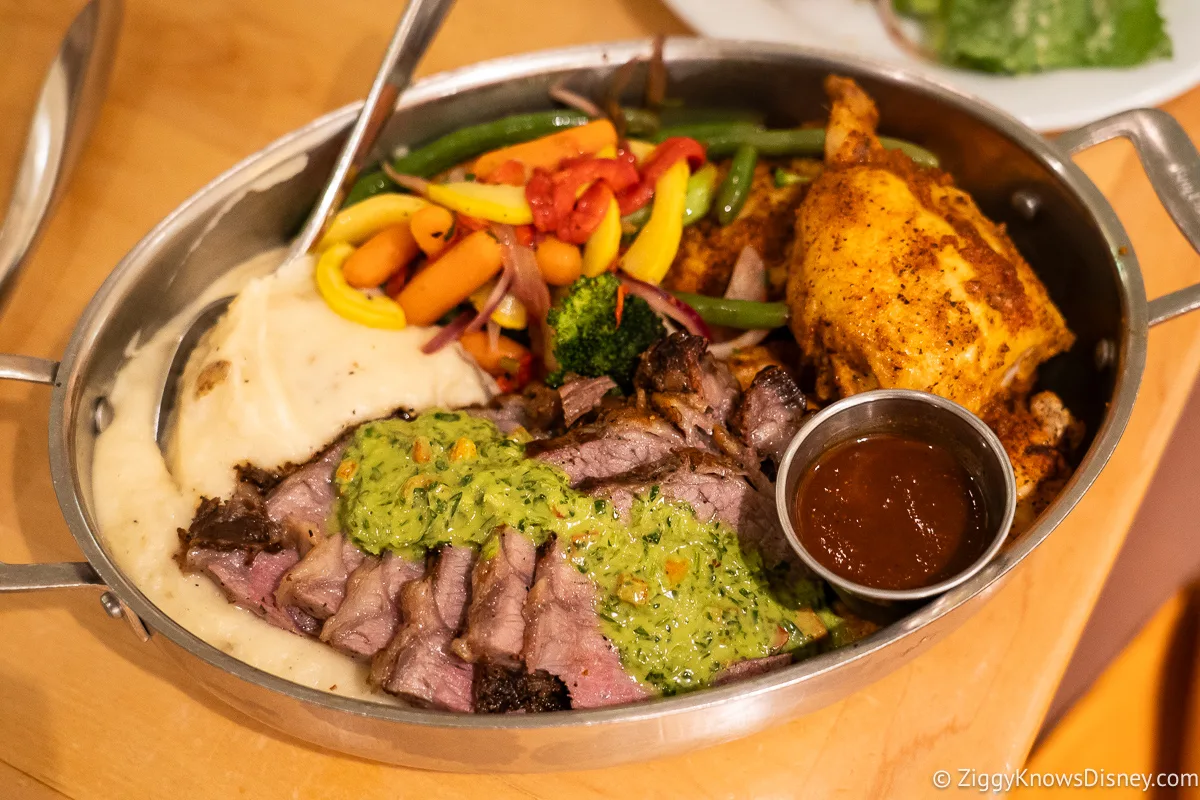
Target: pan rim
[[1130, 365]]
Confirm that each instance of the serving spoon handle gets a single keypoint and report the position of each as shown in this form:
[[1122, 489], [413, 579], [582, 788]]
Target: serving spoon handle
[[67, 107], [416, 29], [421, 20]]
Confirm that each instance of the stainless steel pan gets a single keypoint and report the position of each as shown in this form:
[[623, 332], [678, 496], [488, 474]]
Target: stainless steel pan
[[1057, 216]]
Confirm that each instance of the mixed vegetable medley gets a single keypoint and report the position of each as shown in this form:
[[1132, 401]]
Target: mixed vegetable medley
[[540, 240]]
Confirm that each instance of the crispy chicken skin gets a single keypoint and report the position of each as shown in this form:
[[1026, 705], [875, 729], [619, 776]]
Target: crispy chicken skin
[[1037, 434], [897, 280]]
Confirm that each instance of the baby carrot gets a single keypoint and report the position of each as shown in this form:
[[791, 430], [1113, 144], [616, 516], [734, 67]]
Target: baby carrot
[[380, 257], [559, 262], [450, 280], [508, 353], [432, 227]]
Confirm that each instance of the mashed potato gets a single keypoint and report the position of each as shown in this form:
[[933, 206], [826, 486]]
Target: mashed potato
[[281, 375], [274, 381]]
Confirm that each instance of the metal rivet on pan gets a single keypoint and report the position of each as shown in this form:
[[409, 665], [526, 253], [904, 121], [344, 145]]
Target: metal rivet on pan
[[102, 414], [1026, 203], [1106, 354], [112, 605]]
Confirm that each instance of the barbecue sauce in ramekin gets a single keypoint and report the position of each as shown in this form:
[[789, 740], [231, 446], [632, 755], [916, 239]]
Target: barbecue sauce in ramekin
[[891, 512]]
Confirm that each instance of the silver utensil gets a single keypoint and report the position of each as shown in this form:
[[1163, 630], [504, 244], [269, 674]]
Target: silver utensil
[[72, 93], [421, 20]]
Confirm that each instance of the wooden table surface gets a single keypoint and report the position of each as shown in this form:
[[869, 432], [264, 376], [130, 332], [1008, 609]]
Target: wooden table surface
[[88, 712]]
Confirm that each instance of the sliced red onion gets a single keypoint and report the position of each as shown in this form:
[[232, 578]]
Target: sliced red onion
[[528, 287], [494, 299], [663, 302], [527, 283], [656, 75], [723, 350], [574, 100], [493, 334], [410, 182], [748, 281], [448, 334]]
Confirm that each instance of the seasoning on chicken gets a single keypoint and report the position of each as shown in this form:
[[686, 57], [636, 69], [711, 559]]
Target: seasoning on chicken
[[898, 280]]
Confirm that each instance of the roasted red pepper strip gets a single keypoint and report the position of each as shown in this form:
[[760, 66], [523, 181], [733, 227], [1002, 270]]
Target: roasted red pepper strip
[[663, 158], [626, 155], [587, 215], [620, 310], [554, 199], [525, 234], [579, 172], [539, 193]]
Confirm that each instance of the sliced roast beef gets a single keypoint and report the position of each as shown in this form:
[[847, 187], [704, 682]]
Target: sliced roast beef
[[368, 617], [246, 553], [563, 638], [770, 413], [749, 669], [250, 579], [499, 585], [303, 501], [681, 363], [504, 689], [418, 663], [681, 380], [538, 410], [712, 484], [618, 441], [582, 395], [317, 585], [715, 486]]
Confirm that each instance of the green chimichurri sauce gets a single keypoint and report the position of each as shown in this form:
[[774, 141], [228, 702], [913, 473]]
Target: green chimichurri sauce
[[678, 597]]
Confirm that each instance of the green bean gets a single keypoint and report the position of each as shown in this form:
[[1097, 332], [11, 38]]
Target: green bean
[[692, 115], [704, 130], [736, 186], [458, 146], [640, 122], [785, 178], [634, 220], [699, 194], [798, 142], [742, 314], [368, 184]]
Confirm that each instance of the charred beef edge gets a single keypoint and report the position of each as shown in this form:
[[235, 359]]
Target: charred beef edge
[[239, 523], [502, 689]]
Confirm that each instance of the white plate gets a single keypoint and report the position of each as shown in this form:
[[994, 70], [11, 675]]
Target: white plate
[[1048, 101]]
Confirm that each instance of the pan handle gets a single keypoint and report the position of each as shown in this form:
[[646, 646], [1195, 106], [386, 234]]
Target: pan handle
[[31, 577], [1173, 166]]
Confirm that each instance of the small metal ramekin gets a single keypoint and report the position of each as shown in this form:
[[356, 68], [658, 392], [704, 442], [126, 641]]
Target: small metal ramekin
[[922, 416]]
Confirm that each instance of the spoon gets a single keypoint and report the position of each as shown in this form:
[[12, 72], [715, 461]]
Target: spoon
[[421, 20], [68, 105]]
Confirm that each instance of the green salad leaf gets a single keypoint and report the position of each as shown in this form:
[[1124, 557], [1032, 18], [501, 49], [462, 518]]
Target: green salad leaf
[[1024, 36]]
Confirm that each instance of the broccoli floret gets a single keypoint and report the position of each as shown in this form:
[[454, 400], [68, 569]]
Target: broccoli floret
[[587, 339]]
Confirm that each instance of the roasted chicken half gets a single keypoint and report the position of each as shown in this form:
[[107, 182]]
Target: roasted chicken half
[[897, 280]]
